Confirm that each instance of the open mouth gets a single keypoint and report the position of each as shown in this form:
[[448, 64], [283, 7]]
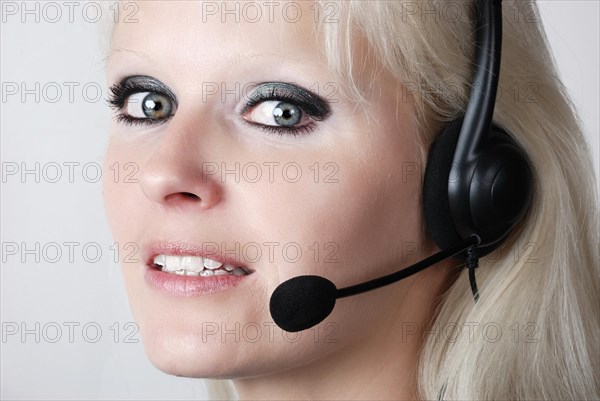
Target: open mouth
[[198, 266]]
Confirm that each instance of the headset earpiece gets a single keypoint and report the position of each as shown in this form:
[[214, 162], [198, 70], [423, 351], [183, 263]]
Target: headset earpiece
[[436, 204], [499, 190], [478, 180]]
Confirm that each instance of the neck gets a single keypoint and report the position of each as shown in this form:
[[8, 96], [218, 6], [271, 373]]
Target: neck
[[355, 372]]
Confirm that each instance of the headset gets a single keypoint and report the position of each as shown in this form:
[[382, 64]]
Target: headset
[[477, 186], [478, 180]]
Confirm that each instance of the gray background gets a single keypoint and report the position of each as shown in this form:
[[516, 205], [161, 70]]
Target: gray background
[[88, 295]]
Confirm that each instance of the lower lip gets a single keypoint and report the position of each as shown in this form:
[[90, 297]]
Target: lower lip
[[189, 286]]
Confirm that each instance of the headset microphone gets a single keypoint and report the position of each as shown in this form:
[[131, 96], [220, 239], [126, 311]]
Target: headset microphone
[[305, 301], [477, 187]]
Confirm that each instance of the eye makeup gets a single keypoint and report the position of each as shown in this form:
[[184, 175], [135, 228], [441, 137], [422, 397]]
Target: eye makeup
[[316, 107], [290, 109]]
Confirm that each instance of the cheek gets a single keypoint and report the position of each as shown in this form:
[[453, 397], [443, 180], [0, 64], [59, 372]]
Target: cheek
[[121, 190], [122, 201], [110, 184], [355, 226], [372, 218]]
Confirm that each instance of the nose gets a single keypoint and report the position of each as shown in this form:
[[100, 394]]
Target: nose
[[173, 175]]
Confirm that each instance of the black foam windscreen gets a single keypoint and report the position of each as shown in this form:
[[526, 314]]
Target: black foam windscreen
[[436, 206], [302, 302]]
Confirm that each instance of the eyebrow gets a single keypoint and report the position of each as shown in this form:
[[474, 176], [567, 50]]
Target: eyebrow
[[112, 52]]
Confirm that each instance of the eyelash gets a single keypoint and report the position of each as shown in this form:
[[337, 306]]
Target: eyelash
[[281, 94], [120, 91]]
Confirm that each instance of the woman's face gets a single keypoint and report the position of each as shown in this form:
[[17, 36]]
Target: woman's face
[[242, 148]]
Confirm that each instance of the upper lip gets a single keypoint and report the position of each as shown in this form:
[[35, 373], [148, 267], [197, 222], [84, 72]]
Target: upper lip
[[182, 248]]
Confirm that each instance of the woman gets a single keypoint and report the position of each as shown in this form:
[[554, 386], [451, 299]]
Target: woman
[[273, 140]]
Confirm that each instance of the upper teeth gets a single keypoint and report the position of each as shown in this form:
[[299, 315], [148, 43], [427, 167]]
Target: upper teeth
[[195, 266]]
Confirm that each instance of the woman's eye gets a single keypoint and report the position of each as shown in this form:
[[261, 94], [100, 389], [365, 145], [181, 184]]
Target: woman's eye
[[142, 99], [149, 105], [284, 108], [277, 113]]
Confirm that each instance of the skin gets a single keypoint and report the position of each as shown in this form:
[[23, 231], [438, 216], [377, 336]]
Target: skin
[[368, 347]]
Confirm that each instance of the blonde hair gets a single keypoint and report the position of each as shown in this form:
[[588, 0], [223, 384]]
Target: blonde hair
[[540, 289]]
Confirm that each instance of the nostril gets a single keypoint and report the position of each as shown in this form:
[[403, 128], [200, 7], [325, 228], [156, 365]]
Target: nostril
[[190, 195], [182, 196]]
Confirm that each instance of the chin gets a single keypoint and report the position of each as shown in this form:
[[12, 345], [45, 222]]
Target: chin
[[187, 356]]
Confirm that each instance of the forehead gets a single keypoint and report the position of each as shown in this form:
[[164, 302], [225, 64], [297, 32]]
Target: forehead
[[208, 30]]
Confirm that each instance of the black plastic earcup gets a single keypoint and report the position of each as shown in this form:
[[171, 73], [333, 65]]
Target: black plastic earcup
[[501, 187], [499, 190], [436, 205]]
